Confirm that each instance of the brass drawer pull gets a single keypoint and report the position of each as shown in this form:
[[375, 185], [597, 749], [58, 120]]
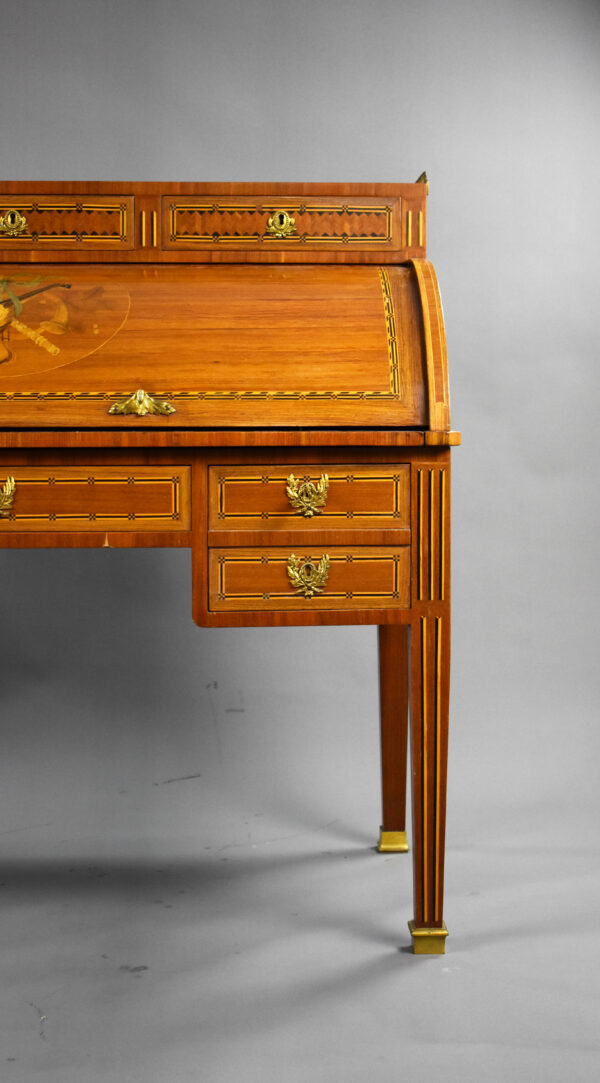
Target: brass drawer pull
[[7, 495], [13, 223], [141, 404], [306, 497], [281, 224], [306, 577]]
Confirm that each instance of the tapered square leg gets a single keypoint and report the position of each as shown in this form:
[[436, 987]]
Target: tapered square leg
[[394, 696], [430, 662]]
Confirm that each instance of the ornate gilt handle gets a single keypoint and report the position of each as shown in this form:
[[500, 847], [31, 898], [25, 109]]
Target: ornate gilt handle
[[141, 404], [13, 223], [7, 495], [306, 577], [306, 497]]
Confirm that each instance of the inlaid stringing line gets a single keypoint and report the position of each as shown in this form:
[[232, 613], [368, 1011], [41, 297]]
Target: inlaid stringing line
[[424, 767], [338, 559], [438, 673], [431, 535], [390, 327], [420, 534], [441, 531], [395, 390], [262, 208]]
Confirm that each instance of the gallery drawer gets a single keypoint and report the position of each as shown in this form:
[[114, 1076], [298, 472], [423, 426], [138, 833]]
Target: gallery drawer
[[358, 577], [282, 222], [38, 222], [97, 497], [321, 497]]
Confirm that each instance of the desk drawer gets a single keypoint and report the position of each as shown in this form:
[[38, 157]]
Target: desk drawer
[[95, 498], [309, 497], [358, 577], [74, 222], [282, 222]]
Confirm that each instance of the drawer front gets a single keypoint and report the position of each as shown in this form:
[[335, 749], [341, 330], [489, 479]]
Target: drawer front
[[70, 222], [311, 497], [281, 223], [359, 577], [95, 498]]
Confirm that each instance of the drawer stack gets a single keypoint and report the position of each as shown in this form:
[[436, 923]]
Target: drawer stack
[[304, 537]]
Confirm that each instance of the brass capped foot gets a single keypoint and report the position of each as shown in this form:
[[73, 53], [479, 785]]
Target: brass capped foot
[[392, 842], [428, 941]]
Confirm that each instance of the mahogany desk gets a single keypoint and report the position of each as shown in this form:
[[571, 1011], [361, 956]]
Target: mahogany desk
[[256, 372]]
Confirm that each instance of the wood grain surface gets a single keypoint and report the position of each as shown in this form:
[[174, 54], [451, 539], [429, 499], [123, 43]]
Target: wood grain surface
[[242, 346]]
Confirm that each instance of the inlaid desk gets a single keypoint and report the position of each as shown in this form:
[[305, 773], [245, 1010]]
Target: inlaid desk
[[258, 373]]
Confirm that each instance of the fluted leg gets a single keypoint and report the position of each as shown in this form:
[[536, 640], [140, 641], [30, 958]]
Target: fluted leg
[[430, 663]]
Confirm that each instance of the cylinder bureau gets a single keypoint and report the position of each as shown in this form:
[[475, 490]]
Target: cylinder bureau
[[256, 372]]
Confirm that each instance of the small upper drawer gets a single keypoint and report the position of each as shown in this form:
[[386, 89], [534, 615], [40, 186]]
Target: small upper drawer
[[282, 222], [328, 496], [42, 222], [95, 498]]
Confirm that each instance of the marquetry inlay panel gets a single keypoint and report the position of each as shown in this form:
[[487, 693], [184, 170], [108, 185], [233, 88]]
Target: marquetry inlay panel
[[325, 224], [70, 222]]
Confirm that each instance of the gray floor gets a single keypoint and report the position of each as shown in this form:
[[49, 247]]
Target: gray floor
[[188, 884], [288, 959]]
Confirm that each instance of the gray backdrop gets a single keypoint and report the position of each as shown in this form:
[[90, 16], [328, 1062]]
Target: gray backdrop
[[108, 690]]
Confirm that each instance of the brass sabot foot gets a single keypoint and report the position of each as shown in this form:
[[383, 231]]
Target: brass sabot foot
[[428, 941], [392, 842]]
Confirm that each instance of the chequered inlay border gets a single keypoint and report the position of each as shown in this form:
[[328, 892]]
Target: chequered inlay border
[[74, 236], [394, 559], [259, 236], [97, 516], [340, 476]]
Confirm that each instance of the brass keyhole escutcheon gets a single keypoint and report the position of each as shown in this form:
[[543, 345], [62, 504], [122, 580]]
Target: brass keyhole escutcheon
[[13, 223], [306, 577], [306, 497], [281, 224]]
